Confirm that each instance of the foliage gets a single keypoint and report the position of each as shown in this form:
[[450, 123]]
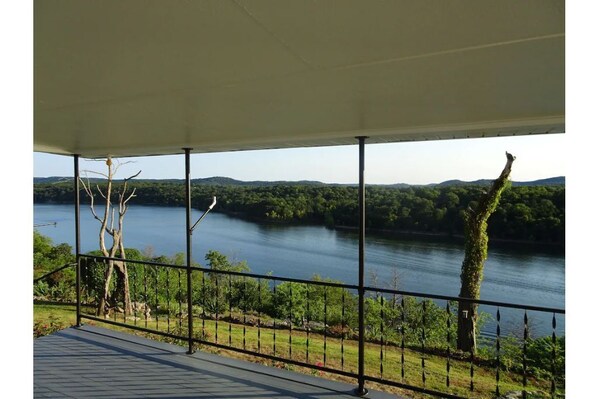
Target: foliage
[[46, 258], [538, 354]]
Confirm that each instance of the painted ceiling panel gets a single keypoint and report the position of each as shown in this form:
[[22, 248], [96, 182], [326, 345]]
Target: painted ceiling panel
[[134, 77]]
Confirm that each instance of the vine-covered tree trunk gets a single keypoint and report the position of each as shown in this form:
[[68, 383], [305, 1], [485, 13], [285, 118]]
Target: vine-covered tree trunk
[[476, 252]]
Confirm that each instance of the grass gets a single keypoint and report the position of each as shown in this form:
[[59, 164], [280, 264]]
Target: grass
[[276, 342]]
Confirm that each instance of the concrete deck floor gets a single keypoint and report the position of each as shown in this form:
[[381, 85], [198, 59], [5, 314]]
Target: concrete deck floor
[[94, 362]]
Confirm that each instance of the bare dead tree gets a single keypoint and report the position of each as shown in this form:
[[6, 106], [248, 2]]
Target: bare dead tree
[[476, 252], [113, 212]]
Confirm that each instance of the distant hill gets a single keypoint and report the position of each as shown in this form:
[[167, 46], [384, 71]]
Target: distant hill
[[551, 181], [51, 180], [227, 181]]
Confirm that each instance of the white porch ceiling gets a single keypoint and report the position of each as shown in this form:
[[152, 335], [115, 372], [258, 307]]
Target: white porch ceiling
[[143, 77]]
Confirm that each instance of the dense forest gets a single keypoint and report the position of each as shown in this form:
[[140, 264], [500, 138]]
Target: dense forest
[[525, 213]]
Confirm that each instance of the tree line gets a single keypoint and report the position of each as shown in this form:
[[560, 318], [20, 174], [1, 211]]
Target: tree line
[[525, 213]]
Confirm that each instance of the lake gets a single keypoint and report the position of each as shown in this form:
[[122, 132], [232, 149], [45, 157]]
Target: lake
[[423, 265]]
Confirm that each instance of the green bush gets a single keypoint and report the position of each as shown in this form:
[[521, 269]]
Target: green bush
[[539, 355]]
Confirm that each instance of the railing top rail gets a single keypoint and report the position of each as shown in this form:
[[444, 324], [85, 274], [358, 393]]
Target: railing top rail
[[454, 298], [233, 273]]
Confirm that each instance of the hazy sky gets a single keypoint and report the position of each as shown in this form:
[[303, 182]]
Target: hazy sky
[[415, 163]]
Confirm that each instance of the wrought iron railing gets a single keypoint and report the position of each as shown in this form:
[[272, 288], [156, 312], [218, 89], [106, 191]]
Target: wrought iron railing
[[315, 324]]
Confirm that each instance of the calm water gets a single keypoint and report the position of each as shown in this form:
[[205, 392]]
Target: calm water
[[301, 251]]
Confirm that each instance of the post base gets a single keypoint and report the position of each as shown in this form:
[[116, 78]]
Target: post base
[[360, 391]]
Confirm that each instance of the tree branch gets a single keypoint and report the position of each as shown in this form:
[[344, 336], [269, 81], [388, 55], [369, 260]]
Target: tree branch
[[119, 164], [132, 177], [112, 221], [100, 191], [96, 173], [87, 189], [130, 196]]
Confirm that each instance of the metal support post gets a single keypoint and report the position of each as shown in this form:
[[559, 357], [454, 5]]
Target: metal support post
[[188, 237], [361, 390], [77, 237]]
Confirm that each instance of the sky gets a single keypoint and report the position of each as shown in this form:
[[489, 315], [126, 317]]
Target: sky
[[538, 157]]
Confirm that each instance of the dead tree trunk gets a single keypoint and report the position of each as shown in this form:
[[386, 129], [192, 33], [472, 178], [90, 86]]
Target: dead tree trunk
[[117, 249], [476, 252]]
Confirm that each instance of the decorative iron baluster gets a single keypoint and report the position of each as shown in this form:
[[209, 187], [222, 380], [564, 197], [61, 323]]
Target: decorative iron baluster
[[290, 320], [203, 305], [124, 301], [497, 351], [274, 329], [115, 300], [525, 338], [424, 342], [325, 320], [307, 323], [168, 300], [259, 315], [88, 287], [244, 309], [156, 293], [135, 299], [381, 335], [217, 307], [180, 304], [343, 330], [448, 344], [230, 310], [553, 365], [403, 338], [145, 294]]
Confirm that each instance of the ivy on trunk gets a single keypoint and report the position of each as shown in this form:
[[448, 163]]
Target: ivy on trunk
[[476, 253]]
